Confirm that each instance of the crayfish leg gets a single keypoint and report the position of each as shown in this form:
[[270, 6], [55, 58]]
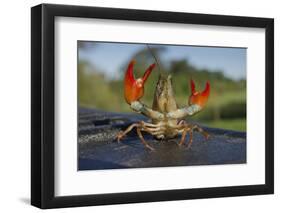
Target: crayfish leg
[[189, 128], [143, 141], [139, 127]]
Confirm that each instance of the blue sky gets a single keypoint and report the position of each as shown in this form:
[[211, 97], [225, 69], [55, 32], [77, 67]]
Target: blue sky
[[110, 57]]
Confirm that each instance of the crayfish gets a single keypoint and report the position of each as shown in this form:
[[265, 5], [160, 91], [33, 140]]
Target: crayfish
[[167, 120]]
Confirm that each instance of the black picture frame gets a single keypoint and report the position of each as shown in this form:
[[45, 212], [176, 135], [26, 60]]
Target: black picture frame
[[43, 105]]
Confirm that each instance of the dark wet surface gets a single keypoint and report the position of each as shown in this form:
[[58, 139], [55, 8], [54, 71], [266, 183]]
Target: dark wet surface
[[98, 148]]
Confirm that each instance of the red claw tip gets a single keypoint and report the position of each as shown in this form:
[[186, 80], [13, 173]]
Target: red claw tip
[[192, 86], [134, 88], [147, 72], [206, 91], [129, 76], [199, 98]]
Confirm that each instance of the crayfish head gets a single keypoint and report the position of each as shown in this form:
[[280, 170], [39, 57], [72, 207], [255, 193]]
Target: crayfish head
[[134, 88], [199, 98], [164, 100]]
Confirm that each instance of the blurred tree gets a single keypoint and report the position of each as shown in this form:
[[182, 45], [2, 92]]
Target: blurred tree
[[180, 66], [94, 90], [144, 58]]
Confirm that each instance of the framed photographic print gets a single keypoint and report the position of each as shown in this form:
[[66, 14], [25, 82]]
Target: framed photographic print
[[140, 106]]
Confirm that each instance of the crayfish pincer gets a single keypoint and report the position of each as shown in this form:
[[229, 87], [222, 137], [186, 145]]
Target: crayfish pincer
[[167, 120]]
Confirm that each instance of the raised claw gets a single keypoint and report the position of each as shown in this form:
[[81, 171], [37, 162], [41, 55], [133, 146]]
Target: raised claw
[[199, 98], [134, 88]]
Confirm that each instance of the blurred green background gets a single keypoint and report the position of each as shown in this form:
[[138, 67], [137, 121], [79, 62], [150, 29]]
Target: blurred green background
[[101, 68]]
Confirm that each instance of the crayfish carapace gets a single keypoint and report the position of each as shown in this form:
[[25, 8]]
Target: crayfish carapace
[[167, 120]]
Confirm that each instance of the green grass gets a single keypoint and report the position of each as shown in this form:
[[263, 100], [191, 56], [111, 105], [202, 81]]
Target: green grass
[[232, 124]]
